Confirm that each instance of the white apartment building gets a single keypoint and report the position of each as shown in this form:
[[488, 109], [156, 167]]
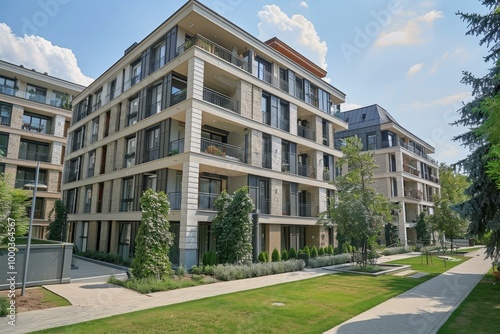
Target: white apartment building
[[406, 173], [35, 113], [197, 107]]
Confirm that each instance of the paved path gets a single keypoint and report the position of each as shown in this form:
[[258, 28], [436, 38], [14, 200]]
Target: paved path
[[423, 309], [93, 300]]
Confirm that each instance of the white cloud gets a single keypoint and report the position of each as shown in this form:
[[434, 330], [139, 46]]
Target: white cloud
[[296, 31], [446, 100], [408, 29], [447, 57], [38, 53], [303, 4], [415, 69]]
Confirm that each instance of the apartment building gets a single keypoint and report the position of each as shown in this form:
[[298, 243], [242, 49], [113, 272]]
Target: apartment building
[[197, 107], [406, 173], [35, 113]]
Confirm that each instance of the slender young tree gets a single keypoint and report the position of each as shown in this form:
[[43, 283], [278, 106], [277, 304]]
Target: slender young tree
[[482, 208], [13, 206], [153, 238], [57, 219], [357, 211], [232, 226]]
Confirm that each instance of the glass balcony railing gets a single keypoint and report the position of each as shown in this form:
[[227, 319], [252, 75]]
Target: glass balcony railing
[[60, 102], [34, 156], [174, 199], [206, 201], [305, 132], [176, 147]]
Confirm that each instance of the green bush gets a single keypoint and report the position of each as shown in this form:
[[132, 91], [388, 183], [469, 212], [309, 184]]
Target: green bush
[[307, 251], [149, 285], [314, 252], [329, 260], [330, 250], [267, 256], [276, 255], [284, 255], [196, 270], [262, 257], [209, 258], [4, 305], [292, 254], [208, 270], [181, 270], [231, 272], [321, 251], [400, 250], [303, 256]]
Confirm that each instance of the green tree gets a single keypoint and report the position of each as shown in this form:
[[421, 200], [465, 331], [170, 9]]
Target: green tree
[[391, 234], [423, 229], [483, 205], [57, 220], [232, 226], [275, 255], [153, 238], [357, 211], [445, 218], [13, 207]]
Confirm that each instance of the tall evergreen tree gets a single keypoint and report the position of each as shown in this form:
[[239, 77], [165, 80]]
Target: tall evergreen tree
[[57, 219], [153, 238], [482, 209]]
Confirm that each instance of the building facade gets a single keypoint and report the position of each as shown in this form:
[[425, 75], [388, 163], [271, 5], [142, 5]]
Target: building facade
[[197, 107], [35, 113], [406, 173]]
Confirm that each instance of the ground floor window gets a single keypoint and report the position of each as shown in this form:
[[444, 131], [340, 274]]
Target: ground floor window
[[173, 253], [206, 240], [293, 236]]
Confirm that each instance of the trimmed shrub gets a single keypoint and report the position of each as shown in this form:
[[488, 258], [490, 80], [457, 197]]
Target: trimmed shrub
[[307, 251], [329, 260], [208, 270], [398, 250], [209, 258], [321, 251], [284, 255], [4, 305], [232, 272], [330, 250], [266, 254], [276, 255], [303, 256], [292, 254], [262, 257], [196, 270], [181, 270], [314, 252]]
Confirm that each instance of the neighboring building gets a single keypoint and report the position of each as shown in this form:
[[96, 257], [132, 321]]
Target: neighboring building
[[198, 107], [406, 173], [35, 113]]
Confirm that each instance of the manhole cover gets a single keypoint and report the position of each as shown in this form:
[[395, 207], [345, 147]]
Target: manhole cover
[[278, 304]]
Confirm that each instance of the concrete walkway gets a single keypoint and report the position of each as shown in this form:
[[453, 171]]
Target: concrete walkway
[[423, 309], [93, 300]]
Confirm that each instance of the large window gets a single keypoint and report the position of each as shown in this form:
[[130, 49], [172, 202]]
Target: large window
[[178, 92], [259, 191], [91, 167], [263, 69], [71, 196], [127, 195], [98, 99], [7, 86], [4, 144], [152, 144], [158, 53], [130, 154], [78, 137], [59, 98], [326, 134], [37, 123], [35, 151], [371, 141], [5, 114], [275, 112], [267, 161], [25, 178], [154, 98], [35, 93], [74, 169], [135, 75], [95, 129], [133, 111], [210, 189]]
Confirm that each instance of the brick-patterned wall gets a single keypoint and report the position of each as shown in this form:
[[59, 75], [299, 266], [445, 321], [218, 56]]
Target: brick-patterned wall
[[120, 153], [274, 238], [10, 174], [114, 237], [382, 161], [245, 93], [52, 180], [14, 143], [92, 235], [312, 236], [257, 104], [256, 147], [116, 195], [276, 197], [59, 122], [16, 118], [382, 186], [276, 153], [293, 119]]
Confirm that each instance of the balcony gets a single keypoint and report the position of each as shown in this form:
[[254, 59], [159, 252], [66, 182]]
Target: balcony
[[305, 170], [29, 184], [267, 160], [178, 97], [151, 154], [153, 108], [305, 132], [327, 175], [63, 102], [419, 153], [174, 199], [213, 49], [220, 100], [413, 193], [206, 201], [283, 124], [176, 147], [37, 128], [305, 210], [286, 209], [223, 150], [411, 170]]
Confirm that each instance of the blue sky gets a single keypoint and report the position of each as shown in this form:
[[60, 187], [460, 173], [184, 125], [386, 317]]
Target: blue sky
[[407, 56]]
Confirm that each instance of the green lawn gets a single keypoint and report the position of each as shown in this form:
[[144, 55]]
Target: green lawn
[[479, 311], [436, 266], [467, 250], [311, 306], [52, 298]]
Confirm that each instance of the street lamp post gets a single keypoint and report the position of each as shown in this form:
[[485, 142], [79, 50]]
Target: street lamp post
[[32, 215]]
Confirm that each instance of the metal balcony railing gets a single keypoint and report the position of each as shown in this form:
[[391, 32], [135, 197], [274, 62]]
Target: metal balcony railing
[[33, 156], [223, 150], [220, 100], [305, 170], [206, 201], [176, 147], [174, 199], [305, 132]]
